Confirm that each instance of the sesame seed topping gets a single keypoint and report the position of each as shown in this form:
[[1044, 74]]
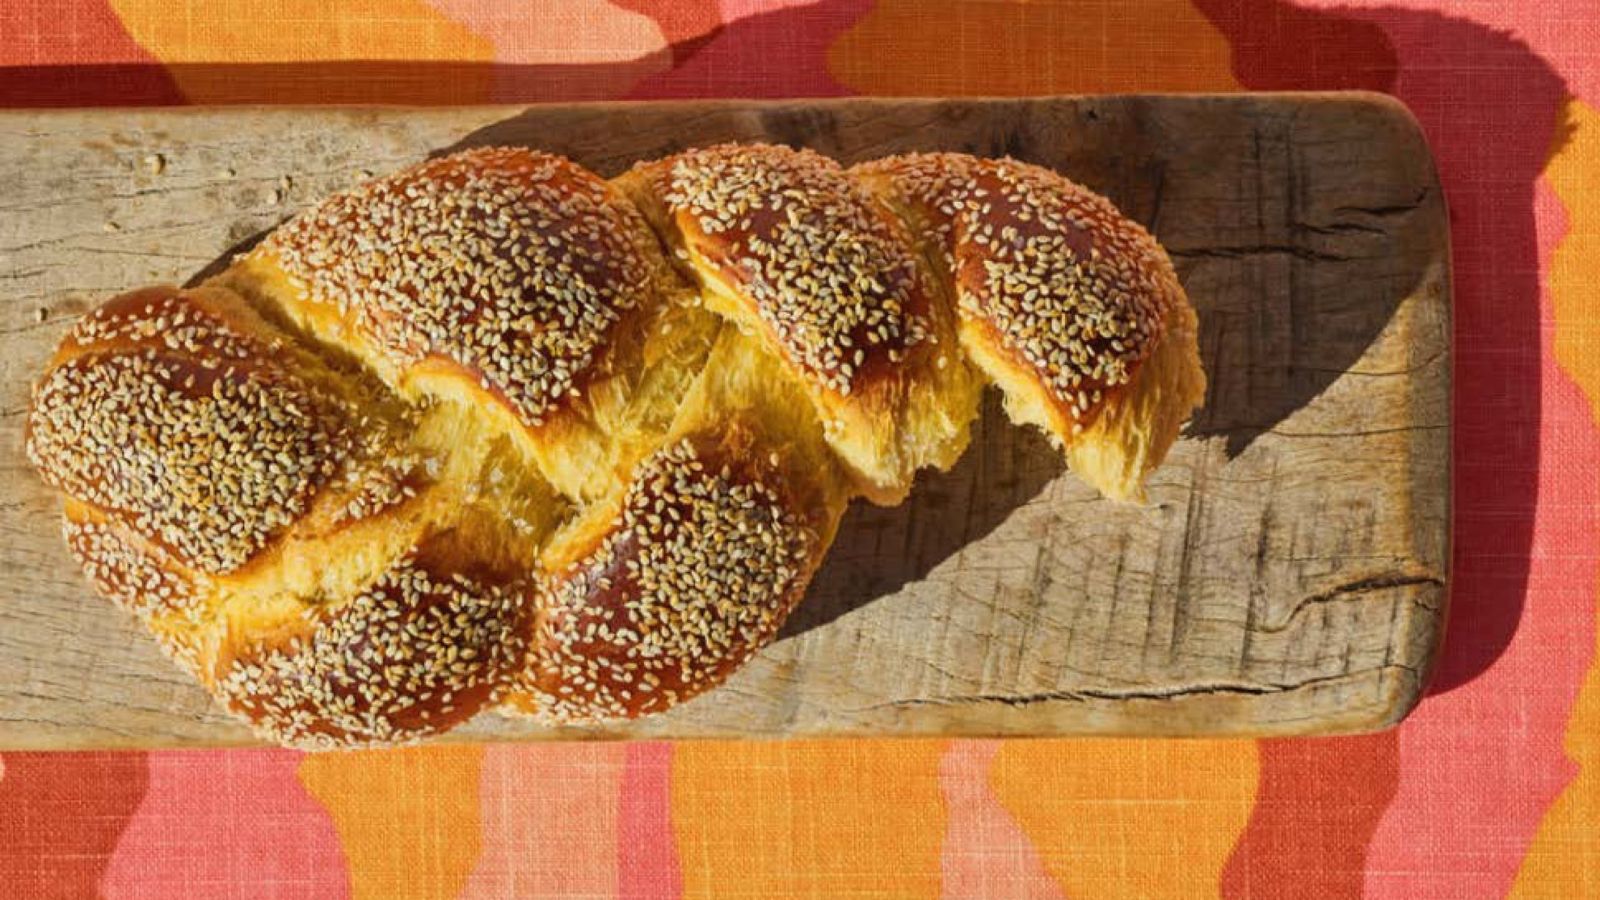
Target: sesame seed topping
[[416, 652], [1071, 288], [514, 264], [826, 265], [141, 579], [173, 429], [374, 489], [703, 567]]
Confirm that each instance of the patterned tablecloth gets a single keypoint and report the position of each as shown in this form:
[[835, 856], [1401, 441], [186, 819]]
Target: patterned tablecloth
[[1492, 787]]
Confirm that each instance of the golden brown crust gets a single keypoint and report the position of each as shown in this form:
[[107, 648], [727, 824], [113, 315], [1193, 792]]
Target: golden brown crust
[[139, 577], [1060, 283], [697, 572], [508, 267], [417, 652], [790, 246], [829, 271], [163, 414], [1071, 309]]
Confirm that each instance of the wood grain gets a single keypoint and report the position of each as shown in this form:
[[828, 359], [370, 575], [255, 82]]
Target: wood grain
[[1288, 576]]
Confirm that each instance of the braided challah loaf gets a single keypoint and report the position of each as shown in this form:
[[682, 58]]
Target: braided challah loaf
[[468, 436]]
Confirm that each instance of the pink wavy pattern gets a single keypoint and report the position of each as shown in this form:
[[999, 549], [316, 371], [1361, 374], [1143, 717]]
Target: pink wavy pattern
[[575, 50], [646, 852], [734, 10], [777, 52], [227, 824], [1480, 765], [549, 821], [1475, 769], [985, 853], [1562, 33]]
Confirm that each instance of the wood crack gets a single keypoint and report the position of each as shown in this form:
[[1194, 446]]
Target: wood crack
[[1421, 364], [1353, 590], [1367, 432], [1176, 692], [31, 326], [1397, 209], [1295, 250], [1341, 228]]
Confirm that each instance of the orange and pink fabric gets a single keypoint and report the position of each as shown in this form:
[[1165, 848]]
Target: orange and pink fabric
[[1491, 788]]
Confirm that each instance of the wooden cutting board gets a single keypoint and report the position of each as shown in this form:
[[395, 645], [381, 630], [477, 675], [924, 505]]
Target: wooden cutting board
[[1288, 576]]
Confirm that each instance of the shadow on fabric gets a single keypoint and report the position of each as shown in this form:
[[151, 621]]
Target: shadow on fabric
[[1492, 126], [1491, 109], [769, 54]]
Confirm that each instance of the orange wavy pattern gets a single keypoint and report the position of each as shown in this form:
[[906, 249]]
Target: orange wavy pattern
[[953, 47], [1506, 759], [1130, 818], [335, 51], [808, 818], [408, 819], [1564, 858]]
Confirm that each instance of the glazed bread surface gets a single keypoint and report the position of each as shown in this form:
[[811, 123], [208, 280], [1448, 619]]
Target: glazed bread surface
[[496, 433]]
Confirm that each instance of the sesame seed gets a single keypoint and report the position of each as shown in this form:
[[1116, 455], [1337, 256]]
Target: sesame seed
[[136, 575], [825, 264], [668, 605], [1068, 284], [195, 434], [413, 654], [518, 265]]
